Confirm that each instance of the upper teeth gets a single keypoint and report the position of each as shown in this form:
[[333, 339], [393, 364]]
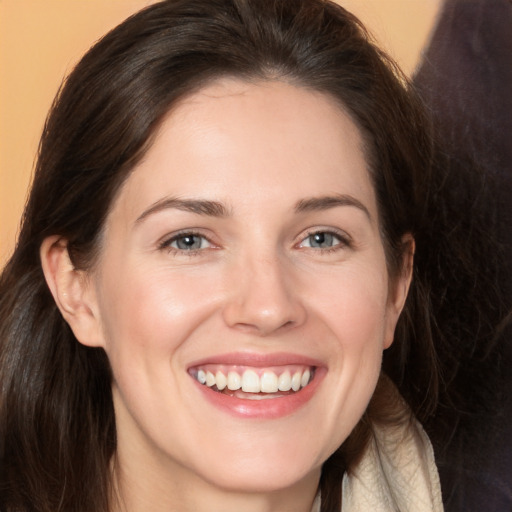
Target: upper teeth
[[251, 382]]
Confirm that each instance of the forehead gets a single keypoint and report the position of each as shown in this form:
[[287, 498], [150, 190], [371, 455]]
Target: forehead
[[234, 140]]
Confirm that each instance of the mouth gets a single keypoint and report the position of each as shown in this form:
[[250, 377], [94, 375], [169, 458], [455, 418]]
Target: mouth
[[254, 383], [256, 386]]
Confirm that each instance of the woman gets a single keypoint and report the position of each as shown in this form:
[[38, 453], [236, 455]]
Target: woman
[[217, 249]]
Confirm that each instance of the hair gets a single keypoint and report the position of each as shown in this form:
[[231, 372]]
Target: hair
[[57, 426]]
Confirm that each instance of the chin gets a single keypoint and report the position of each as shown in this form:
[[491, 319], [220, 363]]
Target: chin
[[266, 478], [262, 469]]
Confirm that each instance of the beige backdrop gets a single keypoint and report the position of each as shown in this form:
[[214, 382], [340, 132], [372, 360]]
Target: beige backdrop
[[41, 40]]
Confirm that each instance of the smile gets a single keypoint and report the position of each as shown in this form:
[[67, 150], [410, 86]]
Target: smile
[[258, 386], [254, 383]]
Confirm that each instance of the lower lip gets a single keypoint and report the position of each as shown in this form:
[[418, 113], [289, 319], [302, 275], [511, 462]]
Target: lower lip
[[268, 408]]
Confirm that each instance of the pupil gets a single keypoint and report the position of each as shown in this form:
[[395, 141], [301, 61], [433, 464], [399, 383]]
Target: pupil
[[320, 238], [188, 242]]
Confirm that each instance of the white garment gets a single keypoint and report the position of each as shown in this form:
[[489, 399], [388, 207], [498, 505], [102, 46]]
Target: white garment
[[397, 473]]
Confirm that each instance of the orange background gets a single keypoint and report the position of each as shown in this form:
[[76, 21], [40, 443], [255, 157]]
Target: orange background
[[41, 40]]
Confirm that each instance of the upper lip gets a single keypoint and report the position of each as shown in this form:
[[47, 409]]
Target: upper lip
[[258, 360]]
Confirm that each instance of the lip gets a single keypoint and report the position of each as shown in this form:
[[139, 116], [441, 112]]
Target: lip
[[271, 408], [258, 360]]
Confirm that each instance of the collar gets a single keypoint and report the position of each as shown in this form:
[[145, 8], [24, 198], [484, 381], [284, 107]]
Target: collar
[[396, 472]]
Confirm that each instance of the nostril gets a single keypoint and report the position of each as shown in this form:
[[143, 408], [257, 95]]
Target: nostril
[[263, 328], [287, 325]]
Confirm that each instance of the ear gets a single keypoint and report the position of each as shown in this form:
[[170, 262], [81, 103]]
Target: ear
[[72, 291], [399, 288]]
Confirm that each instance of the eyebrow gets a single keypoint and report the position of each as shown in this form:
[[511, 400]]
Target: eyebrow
[[199, 206], [327, 202], [216, 209]]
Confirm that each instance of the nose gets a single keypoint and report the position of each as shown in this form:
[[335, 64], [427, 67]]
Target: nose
[[264, 297]]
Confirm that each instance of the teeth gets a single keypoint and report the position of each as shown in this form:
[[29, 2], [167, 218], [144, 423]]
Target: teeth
[[210, 379], [285, 381], [269, 383], [251, 382], [304, 379], [297, 377], [221, 380], [234, 381]]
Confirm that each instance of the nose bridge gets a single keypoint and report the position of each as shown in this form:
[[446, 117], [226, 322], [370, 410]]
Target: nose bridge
[[264, 295]]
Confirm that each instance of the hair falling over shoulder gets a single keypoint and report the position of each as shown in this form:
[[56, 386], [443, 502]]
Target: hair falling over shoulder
[[57, 425]]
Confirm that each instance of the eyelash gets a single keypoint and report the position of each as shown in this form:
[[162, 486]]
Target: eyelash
[[344, 241], [165, 245]]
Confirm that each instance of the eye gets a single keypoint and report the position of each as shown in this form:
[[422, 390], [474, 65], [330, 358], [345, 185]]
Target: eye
[[324, 240], [186, 242]]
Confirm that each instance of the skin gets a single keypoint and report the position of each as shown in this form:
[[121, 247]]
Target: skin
[[256, 284]]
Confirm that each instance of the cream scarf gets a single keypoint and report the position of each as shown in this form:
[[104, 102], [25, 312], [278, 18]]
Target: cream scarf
[[397, 473]]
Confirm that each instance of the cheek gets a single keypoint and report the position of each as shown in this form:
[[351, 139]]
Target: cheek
[[152, 311], [355, 308]]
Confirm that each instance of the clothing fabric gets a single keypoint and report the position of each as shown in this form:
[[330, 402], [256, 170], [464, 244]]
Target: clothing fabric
[[397, 473]]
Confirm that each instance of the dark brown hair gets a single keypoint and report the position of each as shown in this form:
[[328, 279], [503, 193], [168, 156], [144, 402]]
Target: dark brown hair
[[57, 427]]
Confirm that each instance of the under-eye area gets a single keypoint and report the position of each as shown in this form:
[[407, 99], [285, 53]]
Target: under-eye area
[[254, 383]]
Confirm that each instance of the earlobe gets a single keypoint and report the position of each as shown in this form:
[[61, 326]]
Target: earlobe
[[400, 288], [71, 291]]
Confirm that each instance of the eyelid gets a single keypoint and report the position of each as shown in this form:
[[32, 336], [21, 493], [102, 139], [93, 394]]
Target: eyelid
[[344, 238], [165, 242]]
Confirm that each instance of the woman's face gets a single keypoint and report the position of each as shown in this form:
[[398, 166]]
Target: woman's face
[[244, 250]]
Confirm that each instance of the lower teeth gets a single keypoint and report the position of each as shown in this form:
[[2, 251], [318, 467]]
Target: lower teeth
[[258, 396], [252, 396]]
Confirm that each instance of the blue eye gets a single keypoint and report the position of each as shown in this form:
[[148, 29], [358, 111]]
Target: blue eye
[[322, 240], [187, 242]]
